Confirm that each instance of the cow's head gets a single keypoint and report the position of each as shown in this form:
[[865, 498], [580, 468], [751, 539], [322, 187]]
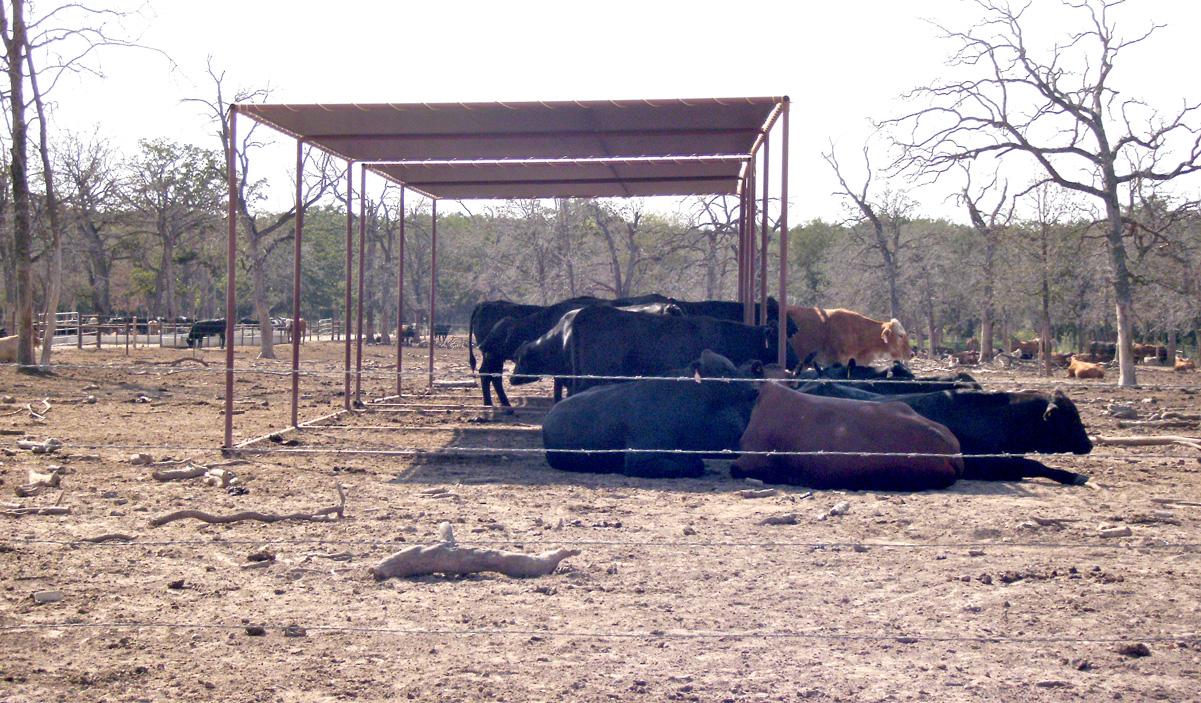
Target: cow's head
[[771, 345], [896, 340], [525, 368], [1062, 428], [496, 341]]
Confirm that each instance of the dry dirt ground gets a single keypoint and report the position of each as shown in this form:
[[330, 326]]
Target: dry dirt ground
[[680, 590]]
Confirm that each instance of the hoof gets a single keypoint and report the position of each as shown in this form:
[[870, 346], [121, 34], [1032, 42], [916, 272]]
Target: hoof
[[1080, 480]]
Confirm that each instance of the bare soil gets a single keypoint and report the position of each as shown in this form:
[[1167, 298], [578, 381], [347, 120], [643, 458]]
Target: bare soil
[[680, 592]]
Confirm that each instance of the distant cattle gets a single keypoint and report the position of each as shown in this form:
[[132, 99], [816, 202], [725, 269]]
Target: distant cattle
[[408, 335], [965, 358], [1027, 350], [296, 330], [1084, 369], [1183, 365], [613, 342], [841, 335], [1143, 352], [1100, 352], [1062, 360], [632, 427], [205, 328], [986, 422], [841, 444]]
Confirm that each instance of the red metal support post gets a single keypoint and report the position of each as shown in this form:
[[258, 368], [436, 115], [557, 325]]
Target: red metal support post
[[433, 282], [765, 236], [230, 275], [783, 331], [400, 298], [358, 364], [752, 290], [296, 242], [349, 278]]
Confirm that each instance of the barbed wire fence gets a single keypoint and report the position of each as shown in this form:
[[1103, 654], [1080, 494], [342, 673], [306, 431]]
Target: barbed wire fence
[[1183, 547]]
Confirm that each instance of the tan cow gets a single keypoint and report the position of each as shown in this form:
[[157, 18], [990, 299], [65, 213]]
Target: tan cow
[[1028, 350], [296, 330], [1083, 369], [1184, 364], [837, 336]]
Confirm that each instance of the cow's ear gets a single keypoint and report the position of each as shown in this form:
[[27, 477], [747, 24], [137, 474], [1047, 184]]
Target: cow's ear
[[696, 374], [1051, 408]]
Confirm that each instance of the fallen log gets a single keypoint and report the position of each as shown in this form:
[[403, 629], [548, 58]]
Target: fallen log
[[448, 558], [190, 471], [323, 514], [1161, 440]]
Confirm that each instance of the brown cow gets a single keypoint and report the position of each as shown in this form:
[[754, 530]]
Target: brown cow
[[1185, 364], [1062, 360], [297, 331], [788, 421], [1083, 369], [837, 336], [966, 358], [1028, 350]]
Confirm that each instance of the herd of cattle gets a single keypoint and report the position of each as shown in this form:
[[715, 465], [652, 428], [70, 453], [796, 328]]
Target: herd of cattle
[[705, 384]]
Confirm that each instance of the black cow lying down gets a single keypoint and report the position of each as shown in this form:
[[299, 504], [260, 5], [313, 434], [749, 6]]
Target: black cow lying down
[[894, 380], [987, 422], [706, 414]]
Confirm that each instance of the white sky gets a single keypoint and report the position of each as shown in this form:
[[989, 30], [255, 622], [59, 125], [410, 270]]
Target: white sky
[[842, 63]]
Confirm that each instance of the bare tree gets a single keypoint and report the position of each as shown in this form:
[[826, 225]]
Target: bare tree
[[15, 48], [65, 35], [884, 216], [263, 233], [1071, 123], [990, 226]]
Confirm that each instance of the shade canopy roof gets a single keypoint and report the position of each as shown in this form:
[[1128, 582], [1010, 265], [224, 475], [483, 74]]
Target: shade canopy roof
[[540, 149]]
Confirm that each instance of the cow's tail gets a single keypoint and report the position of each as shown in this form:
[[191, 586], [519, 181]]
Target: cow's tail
[[471, 332]]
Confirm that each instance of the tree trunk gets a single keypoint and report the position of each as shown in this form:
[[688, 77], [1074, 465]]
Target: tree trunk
[[22, 224], [56, 267], [1123, 295]]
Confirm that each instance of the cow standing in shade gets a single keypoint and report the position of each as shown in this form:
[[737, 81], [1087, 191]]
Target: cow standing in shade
[[857, 433], [706, 413], [608, 342]]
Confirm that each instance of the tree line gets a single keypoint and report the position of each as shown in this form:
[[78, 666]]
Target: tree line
[[1097, 245]]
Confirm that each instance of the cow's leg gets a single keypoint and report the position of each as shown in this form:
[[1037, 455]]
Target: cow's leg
[[980, 468], [491, 370], [558, 390]]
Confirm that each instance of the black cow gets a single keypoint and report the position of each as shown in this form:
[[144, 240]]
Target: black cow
[[484, 317], [986, 422], [549, 355], [500, 343], [611, 342], [205, 328], [897, 379], [652, 414], [726, 309]]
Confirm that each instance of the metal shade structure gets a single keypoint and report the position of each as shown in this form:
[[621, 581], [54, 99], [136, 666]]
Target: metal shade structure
[[522, 150]]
